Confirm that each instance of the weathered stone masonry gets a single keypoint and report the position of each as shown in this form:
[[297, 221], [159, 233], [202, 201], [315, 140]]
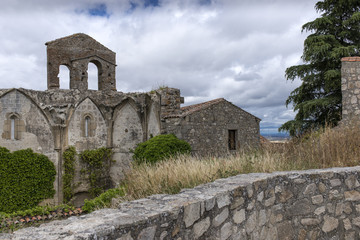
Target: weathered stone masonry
[[50, 121], [215, 127], [313, 204], [350, 87]]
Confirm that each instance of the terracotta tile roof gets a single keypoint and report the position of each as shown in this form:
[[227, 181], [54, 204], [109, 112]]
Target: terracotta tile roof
[[200, 106], [350, 59], [187, 110]]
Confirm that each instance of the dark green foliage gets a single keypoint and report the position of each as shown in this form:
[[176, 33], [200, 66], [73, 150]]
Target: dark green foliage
[[26, 178], [334, 35], [97, 164], [69, 156], [159, 148], [104, 200]]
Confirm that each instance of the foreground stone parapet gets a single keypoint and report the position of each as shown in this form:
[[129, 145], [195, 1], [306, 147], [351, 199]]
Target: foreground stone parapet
[[313, 204]]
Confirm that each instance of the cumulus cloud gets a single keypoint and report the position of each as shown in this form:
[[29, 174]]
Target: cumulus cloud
[[238, 50]]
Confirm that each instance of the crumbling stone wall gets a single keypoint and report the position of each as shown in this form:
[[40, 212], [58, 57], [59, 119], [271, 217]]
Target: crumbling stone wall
[[350, 87], [313, 204], [51, 121]]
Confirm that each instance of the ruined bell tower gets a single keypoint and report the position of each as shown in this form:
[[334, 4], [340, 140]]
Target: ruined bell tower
[[76, 52]]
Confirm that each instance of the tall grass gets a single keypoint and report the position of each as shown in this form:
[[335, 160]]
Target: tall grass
[[328, 147]]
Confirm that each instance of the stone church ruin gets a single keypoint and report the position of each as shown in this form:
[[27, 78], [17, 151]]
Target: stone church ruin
[[50, 121]]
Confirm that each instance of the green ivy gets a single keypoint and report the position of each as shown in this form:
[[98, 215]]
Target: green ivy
[[69, 157], [26, 178], [97, 163], [103, 200], [160, 147]]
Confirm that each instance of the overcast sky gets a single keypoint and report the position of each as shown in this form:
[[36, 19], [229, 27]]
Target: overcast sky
[[235, 49]]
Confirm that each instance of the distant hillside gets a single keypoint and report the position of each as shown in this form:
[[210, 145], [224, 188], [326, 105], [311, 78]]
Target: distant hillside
[[272, 134]]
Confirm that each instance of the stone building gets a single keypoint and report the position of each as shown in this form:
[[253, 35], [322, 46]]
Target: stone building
[[50, 121], [214, 127], [350, 88]]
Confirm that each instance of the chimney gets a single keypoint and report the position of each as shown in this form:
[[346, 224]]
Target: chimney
[[170, 102]]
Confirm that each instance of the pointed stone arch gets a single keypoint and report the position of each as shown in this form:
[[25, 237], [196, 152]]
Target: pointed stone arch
[[127, 133], [96, 136], [35, 124], [33, 129]]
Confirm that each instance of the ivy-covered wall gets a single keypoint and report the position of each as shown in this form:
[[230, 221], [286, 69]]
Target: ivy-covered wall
[[86, 174], [26, 178]]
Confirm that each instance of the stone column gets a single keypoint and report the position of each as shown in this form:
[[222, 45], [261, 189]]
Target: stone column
[[350, 87]]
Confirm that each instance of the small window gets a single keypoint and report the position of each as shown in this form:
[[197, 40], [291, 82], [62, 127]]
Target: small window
[[13, 127], [87, 126], [232, 139]]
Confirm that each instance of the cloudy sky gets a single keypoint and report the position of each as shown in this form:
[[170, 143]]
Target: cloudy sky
[[235, 49]]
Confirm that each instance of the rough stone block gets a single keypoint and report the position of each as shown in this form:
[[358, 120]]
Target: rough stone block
[[330, 224], [251, 223], [310, 221], [220, 218], [147, 233], [352, 195], [335, 182], [351, 182], [347, 224], [239, 216], [226, 231], [320, 210], [223, 200], [191, 213], [318, 199], [301, 207], [285, 231], [201, 227], [285, 195], [310, 189]]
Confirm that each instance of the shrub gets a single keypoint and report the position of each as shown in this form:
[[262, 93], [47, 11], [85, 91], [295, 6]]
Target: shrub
[[159, 148], [26, 178], [104, 200]]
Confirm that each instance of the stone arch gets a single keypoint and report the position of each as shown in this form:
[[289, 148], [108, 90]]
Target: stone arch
[[97, 136], [93, 77], [61, 76], [35, 122], [127, 132]]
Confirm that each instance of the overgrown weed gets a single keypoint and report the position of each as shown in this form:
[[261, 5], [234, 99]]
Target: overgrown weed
[[325, 148]]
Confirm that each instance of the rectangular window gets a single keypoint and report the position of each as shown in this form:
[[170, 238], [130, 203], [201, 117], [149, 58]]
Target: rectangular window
[[232, 139]]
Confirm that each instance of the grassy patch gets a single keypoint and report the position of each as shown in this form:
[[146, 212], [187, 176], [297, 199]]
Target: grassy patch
[[329, 147]]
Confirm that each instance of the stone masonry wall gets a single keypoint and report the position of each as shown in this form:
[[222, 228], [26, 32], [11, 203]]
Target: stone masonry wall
[[51, 121], [208, 130], [313, 204], [350, 87]]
